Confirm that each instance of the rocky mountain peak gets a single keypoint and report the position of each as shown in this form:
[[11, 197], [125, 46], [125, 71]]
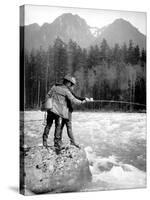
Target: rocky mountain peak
[[69, 26], [121, 31]]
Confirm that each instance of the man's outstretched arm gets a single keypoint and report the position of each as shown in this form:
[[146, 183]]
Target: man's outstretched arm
[[73, 99], [78, 97]]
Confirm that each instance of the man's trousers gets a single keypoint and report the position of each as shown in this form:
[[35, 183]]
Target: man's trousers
[[57, 134]]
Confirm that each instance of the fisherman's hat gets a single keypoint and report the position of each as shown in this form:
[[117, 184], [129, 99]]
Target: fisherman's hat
[[70, 79]]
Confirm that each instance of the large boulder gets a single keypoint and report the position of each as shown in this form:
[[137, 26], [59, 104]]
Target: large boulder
[[45, 171]]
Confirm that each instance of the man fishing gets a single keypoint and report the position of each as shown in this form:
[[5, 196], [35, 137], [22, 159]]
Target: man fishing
[[60, 94]]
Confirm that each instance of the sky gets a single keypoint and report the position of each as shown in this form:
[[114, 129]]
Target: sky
[[94, 17]]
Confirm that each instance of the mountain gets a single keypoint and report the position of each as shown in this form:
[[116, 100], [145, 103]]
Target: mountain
[[121, 31], [69, 26], [32, 36], [66, 27]]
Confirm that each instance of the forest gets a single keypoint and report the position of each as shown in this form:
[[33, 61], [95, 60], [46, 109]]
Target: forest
[[104, 73]]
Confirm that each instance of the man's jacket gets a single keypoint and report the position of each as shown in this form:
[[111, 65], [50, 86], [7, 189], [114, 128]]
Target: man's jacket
[[69, 104], [60, 96]]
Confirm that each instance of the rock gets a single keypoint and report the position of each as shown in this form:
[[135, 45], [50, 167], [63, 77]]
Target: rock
[[107, 166], [45, 171]]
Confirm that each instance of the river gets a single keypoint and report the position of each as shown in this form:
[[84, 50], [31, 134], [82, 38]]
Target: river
[[115, 144]]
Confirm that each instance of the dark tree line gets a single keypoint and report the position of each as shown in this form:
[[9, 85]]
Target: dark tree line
[[117, 73]]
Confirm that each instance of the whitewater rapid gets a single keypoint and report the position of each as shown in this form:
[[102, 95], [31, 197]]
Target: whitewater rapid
[[109, 173]]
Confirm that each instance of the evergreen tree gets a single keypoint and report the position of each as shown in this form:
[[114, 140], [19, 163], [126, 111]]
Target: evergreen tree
[[130, 52], [50, 68], [93, 56], [136, 55], [124, 53], [60, 59], [116, 53], [143, 56], [104, 50], [71, 51]]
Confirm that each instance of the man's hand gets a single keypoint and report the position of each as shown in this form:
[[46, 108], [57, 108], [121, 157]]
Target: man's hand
[[84, 101], [87, 99]]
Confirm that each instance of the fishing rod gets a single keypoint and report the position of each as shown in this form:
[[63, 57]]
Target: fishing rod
[[113, 101]]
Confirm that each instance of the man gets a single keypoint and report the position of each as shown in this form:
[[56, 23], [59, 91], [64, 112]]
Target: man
[[68, 122], [59, 95]]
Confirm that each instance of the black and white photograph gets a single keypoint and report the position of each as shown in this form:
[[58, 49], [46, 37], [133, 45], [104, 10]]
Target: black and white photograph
[[83, 107]]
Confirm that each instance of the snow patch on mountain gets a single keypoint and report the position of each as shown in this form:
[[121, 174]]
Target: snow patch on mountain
[[96, 32]]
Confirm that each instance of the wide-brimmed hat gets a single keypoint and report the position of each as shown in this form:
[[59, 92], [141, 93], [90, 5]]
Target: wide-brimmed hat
[[70, 79]]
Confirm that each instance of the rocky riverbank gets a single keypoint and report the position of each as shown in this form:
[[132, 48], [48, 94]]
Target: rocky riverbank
[[47, 172]]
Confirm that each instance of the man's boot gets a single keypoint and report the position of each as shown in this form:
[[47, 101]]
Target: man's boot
[[75, 144], [58, 146]]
